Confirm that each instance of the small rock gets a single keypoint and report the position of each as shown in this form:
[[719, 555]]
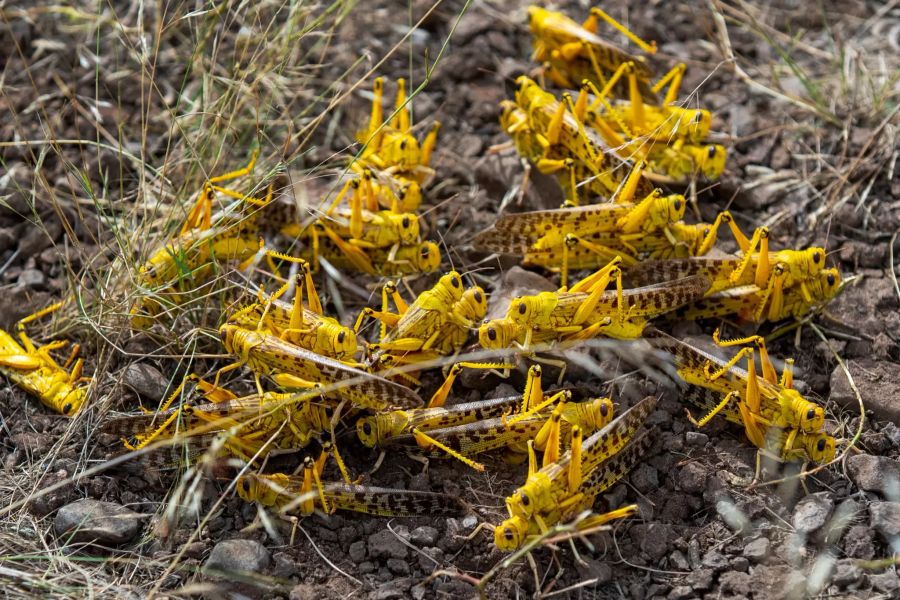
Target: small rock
[[735, 582], [32, 278], [875, 474], [306, 591], [645, 478], [876, 380], [398, 566], [469, 522], [594, 569], [695, 438], [243, 556], [812, 512], [146, 381], [651, 538], [367, 567], [682, 592], [846, 573], [396, 588], [739, 563], [357, 551], [757, 550], [384, 544], [692, 478], [91, 520], [885, 519], [700, 579], [886, 582], [679, 561], [715, 560], [858, 543], [423, 536]]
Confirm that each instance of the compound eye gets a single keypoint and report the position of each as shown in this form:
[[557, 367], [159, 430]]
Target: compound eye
[[246, 485], [455, 282], [711, 151], [817, 256], [341, 337], [425, 252], [329, 411], [698, 117], [677, 205], [367, 428], [478, 297], [830, 279], [811, 414], [406, 221], [604, 409], [403, 144], [66, 408], [525, 500], [820, 446], [508, 535], [492, 334], [522, 308]]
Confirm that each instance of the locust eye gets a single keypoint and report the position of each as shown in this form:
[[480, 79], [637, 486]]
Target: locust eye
[[425, 252], [246, 485], [341, 337], [522, 308], [66, 408], [492, 334], [711, 151], [820, 446], [698, 117], [508, 534], [406, 221], [454, 281], [810, 414], [329, 411], [367, 428], [478, 297], [525, 500], [830, 279], [604, 409], [403, 144], [817, 256]]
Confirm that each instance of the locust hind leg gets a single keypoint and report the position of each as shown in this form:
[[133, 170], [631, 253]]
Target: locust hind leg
[[591, 25], [441, 394]]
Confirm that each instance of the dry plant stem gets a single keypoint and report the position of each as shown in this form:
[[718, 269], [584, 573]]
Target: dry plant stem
[[891, 266], [728, 51]]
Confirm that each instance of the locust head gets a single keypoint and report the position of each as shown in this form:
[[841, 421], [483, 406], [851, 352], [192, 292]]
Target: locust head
[[340, 340], [63, 397], [473, 304], [510, 534], [498, 333], [808, 416], [375, 429], [820, 447]]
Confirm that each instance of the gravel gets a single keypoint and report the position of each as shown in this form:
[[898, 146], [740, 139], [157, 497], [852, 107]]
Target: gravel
[[237, 556], [93, 521]]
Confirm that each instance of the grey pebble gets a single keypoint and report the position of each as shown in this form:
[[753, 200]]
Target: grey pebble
[[885, 519], [384, 544], [423, 536], [757, 550], [245, 556], [91, 520], [357, 551], [692, 478], [32, 278], [875, 474], [695, 438], [812, 512], [146, 381]]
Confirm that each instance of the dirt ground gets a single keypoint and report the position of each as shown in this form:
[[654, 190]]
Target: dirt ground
[[158, 95]]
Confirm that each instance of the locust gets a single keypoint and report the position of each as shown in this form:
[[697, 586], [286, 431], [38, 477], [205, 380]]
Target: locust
[[33, 369], [190, 257], [763, 403], [572, 52], [294, 367], [412, 259], [569, 483], [772, 275], [437, 322], [745, 301], [303, 495], [558, 129], [255, 424], [308, 328], [476, 426], [555, 232], [390, 146], [587, 310]]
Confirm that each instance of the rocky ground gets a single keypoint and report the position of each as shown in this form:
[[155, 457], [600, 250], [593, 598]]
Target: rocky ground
[[821, 172]]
